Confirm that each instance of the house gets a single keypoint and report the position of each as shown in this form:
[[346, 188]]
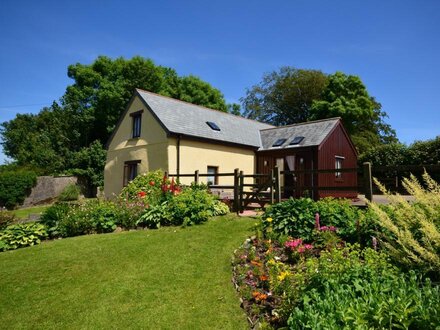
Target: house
[[158, 132]]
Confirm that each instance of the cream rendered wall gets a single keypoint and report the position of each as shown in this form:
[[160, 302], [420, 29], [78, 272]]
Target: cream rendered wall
[[151, 148], [195, 155]]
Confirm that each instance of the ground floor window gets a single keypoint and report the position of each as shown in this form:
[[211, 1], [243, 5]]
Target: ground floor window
[[130, 170], [212, 178]]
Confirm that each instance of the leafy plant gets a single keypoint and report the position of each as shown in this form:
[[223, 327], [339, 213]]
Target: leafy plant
[[411, 231], [219, 208], [52, 216], [6, 218], [191, 206], [21, 235], [15, 186], [155, 216], [70, 193]]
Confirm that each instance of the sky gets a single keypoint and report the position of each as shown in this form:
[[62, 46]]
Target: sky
[[393, 46]]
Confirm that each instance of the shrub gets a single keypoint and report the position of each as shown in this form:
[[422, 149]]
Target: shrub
[[219, 208], [21, 235], [6, 218], [411, 231], [155, 216], [191, 206], [94, 216], [52, 216], [70, 193], [370, 300], [15, 186], [151, 186]]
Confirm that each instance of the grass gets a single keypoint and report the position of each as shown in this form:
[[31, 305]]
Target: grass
[[24, 213], [171, 278]]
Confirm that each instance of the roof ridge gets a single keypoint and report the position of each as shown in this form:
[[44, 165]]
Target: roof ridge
[[300, 124], [201, 106]]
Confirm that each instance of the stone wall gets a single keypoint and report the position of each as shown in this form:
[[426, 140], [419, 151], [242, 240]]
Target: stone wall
[[48, 188]]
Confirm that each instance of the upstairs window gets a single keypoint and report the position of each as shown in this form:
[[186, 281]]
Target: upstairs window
[[338, 166], [213, 125], [279, 142], [136, 126], [296, 140], [130, 171]]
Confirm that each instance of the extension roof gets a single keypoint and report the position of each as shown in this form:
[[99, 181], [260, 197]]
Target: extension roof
[[314, 133]]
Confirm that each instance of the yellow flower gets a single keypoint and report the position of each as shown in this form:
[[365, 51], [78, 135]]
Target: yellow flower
[[269, 220], [271, 262], [282, 276]]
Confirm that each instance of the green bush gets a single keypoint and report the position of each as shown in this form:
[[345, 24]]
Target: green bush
[[6, 218], [93, 216], [191, 206], [21, 235], [296, 217], [351, 289], [52, 216], [15, 186], [155, 216], [70, 193], [148, 186], [219, 208]]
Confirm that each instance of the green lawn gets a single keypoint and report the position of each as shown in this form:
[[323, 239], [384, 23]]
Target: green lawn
[[24, 213], [171, 278]]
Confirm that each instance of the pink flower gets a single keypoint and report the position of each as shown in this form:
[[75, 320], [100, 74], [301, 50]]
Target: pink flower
[[328, 228], [301, 249], [293, 244], [308, 246]]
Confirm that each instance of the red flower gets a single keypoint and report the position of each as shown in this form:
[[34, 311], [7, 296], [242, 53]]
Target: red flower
[[152, 183], [142, 194]]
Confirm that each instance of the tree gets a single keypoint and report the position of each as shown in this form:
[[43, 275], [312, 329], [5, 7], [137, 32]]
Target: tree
[[69, 135], [346, 96], [284, 97]]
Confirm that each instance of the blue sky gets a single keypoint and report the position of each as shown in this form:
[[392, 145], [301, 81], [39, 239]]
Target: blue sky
[[394, 46]]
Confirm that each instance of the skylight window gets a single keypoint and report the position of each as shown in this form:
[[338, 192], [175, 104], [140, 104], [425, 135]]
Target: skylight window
[[297, 140], [213, 126], [279, 142]]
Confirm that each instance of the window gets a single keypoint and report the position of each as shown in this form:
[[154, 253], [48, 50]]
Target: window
[[212, 177], [279, 142], [137, 121], [213, 125], [130, 171], [338, 165], [297, 140]]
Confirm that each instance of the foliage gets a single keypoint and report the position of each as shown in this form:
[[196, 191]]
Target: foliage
[[191, 207], [411, 231], [15, 186], [352, 289], [52, 216], [284, 97], [393, 154], [70, 193], [22, 235], [296, 217], [219, 208], [93, 216], [6, 218], [347, 97], [150, 185], [155, 216], [68, 135], [89, 163]]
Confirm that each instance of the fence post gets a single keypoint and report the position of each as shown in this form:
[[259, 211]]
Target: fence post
[[236, 187], [368, 184], [277, 184], [165, 174], [272, 184], [240, 192], [196, 176]]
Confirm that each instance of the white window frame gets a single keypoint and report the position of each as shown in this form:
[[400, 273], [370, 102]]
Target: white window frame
[[339, 161]]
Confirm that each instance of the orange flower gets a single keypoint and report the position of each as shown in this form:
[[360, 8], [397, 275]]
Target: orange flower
[[263, 278], [256, 263], [255, 294]]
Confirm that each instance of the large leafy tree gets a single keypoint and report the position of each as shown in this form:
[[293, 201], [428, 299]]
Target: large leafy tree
[[347, 97], [70, 134], [285, 96]]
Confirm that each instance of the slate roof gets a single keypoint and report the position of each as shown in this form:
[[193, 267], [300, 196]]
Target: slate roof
[[184, 118], [314, 133]]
